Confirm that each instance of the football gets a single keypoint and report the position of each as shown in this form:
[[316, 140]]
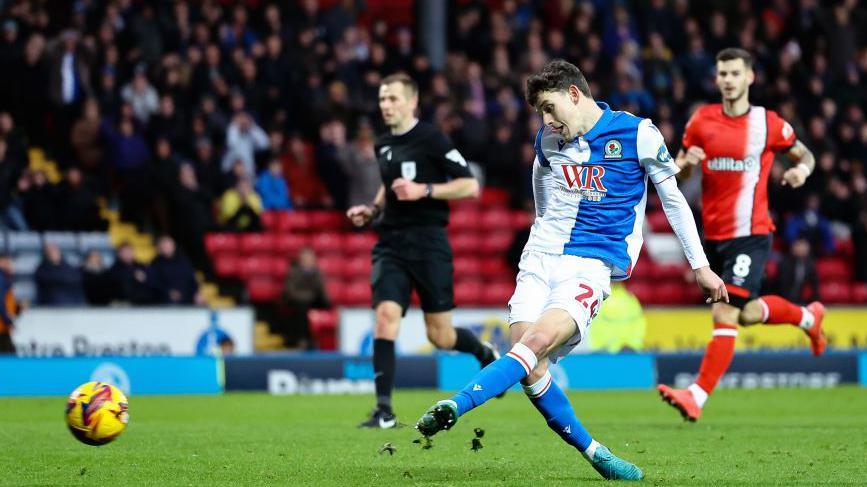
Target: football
[[96, 413]]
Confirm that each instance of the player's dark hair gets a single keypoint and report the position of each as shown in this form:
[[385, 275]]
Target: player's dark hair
[[408, 83], [557, 75], [731, 53]]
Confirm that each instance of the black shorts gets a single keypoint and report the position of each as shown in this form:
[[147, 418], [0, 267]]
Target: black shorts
[[740, 262], [413, 257]]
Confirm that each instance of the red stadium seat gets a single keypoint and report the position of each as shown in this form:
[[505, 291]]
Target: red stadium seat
[[658, 222], [771, 269], [335, 289], [270, 220], [835, 292], [467, 267], [496, 219], [358, 267], [322, 221], [255, 266], [494, 197], [332, 266], [293, 221], [359, 243], [357, 293], [327, 243], [217, 243], [461, 220], [288, 244], [859, 293], [643, 271], [642, 290], [227, 265], [257, 243], [496, 268], [323, 328], [669, 293], [263, 290], [279, 267], [466, 242], [468, 292], [844, 247], [672, 272], [522, 220], [497, 293], [833, 269], [497, 242]]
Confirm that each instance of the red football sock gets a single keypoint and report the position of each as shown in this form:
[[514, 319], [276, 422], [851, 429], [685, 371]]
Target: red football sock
[[776, 310], [717, 356]]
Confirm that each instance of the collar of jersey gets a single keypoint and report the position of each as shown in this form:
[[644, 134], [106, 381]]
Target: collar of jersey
[[603, 121]]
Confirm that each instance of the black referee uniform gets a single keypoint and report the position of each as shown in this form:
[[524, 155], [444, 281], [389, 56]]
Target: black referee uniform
[[413, 250]]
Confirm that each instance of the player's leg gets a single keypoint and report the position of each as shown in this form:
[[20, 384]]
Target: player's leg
[[444, 335], [776, 310], [391, 291]]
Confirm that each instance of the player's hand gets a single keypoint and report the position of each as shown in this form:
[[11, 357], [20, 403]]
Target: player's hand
[[694, 155], [712, 285], [360, 215], [794, 177], [407, 190]]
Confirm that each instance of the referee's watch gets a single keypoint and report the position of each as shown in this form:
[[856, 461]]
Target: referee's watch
[[428, 191]]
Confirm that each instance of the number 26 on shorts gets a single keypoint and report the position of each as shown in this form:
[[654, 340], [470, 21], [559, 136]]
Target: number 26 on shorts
[[584, 297]]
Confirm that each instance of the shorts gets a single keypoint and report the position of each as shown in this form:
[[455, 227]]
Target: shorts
[[413, 257], [577, 285], [740, 263]]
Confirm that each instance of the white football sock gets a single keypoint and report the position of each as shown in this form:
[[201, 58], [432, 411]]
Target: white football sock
[[807, 319], [591, 450], [698, 394]]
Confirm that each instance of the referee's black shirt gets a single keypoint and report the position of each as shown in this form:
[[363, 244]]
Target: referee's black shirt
[[424, 155]]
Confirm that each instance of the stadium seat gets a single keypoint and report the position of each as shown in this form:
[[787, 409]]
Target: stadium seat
[[833, 269], [521, 220], [497, 292], [327, 243], [497, 242], [466, 242], [23, 242], [25, 264], [278, 267], [263, 289], [844, 247], [669, 293], [496, 268], [835, 292], [859, 293], [218, 243], [494, 197], [359, 243], [288, 244], [270, 220], [496, 219], [357, 293], [643, 270], [658, 222], [293, 221], [662, 272], [461, 220], [335, 289], [254, 266], [321, 221], [323, 328], [257, 243], [332, 266], [73, 258], [227, 264], [96, 240], [24, 290], [468, 292], [65, 241], [358, 266], [467, 267]]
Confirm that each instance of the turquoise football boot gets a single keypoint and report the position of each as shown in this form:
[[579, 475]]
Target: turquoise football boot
[[614, 468]]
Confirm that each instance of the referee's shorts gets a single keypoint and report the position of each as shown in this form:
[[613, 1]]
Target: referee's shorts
[[413, 257]]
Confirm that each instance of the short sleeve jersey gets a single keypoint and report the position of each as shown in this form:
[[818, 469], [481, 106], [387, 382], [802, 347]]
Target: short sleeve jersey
[[739, 156], [424, 155]]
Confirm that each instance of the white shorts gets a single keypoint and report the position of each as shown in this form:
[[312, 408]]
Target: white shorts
[[577, 285]]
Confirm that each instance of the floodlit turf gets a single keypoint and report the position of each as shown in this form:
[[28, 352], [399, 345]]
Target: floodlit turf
[[784, 437]]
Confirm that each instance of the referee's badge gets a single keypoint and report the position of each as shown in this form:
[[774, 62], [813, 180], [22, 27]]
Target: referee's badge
[[407, 170]]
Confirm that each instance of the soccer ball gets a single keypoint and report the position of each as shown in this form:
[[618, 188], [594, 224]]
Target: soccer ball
[[96, 413]]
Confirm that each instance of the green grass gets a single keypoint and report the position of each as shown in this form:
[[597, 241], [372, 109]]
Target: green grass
[[784, 437]]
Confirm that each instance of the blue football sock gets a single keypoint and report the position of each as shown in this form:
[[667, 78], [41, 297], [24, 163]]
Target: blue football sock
[[550, 400], [496, 378]]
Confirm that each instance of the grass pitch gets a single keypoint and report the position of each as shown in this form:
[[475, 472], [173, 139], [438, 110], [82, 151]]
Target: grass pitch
[[761, 437]]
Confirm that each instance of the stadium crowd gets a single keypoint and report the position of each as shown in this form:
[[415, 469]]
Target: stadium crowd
[[195, 116]]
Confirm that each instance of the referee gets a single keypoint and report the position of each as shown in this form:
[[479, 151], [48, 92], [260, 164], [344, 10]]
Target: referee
[[420, 170]]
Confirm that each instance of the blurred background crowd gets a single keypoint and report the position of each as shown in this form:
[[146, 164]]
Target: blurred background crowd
[[191, 117]]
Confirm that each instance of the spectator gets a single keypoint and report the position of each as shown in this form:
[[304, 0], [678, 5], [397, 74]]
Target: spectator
[[304, 289], [77, 207], [130, 155], [11, 210], [812, 226], [859, 241], [797, 280], [362, 169], [130, 279], [57, 282], [300, 169], [98, 285], [9, 307], [191, 216], [173, 275], [272, 187], [243, 139], [141, 96], [240, 208], [331, 156], [39, 199], [69, 84], [86, 137]]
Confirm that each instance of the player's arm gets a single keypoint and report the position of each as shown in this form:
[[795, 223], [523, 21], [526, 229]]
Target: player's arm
[[688, 159], [361, 215], [803, 163], [657, 162], [543, 181]]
